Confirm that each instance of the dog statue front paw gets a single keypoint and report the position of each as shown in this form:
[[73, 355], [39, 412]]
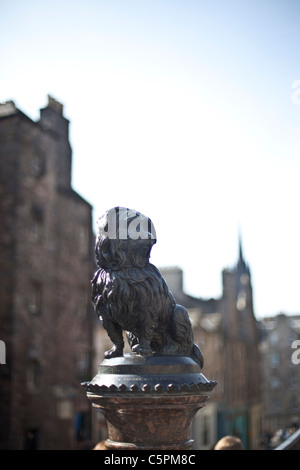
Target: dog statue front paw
[[115, 351], [143, 348]]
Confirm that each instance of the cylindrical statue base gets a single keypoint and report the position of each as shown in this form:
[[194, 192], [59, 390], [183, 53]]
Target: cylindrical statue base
[[149, 402]]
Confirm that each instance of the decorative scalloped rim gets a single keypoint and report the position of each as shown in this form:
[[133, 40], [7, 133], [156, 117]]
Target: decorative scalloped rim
[[147, 388]]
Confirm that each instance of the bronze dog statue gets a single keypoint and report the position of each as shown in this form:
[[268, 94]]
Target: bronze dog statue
[[130, 294]]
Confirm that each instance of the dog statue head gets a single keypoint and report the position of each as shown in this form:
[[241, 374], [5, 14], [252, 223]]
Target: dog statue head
[[124, 239]]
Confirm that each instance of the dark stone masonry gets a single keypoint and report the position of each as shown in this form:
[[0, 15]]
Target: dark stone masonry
[[46, 262]]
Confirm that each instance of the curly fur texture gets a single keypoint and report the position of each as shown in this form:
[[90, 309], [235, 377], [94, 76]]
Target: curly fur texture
[[130, 294]]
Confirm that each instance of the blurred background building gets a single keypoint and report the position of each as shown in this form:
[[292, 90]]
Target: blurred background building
[[281, 374], [47, 322], [46, 262], [226, 331]]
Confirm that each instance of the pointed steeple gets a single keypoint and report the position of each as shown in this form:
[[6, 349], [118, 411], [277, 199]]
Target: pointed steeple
[[242, 266], [241, 257]]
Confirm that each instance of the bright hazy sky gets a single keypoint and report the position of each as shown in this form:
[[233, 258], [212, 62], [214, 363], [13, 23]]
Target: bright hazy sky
[[186, 110]]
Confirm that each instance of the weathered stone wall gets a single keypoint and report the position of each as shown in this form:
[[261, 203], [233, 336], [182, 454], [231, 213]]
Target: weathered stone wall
[[46, 264]]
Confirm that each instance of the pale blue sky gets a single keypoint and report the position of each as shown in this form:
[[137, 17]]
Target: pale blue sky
[[183, 110]]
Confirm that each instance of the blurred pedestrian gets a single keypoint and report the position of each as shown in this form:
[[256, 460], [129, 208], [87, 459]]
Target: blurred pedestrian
[[229, 443], [100, 446]]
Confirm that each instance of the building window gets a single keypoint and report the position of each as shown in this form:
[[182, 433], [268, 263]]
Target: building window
[[37, 164], [82, 300], [292, 380], [36, 223], [276, 405], [83, 240], [275, 359], [65, 409], [244, 279], [83, 362], [241, 301], [31, 439], [275, 383], [274, 338], [82, 426], [33, 374], [35, 298], [294, 404], [206, 430]]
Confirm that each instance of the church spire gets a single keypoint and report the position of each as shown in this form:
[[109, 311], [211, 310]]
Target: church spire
[[241, 257], [242, 266]]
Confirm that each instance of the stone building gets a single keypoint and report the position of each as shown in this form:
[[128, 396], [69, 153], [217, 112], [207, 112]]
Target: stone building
[[46, 263], [280, 351], [242, 410], [226, 331]]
